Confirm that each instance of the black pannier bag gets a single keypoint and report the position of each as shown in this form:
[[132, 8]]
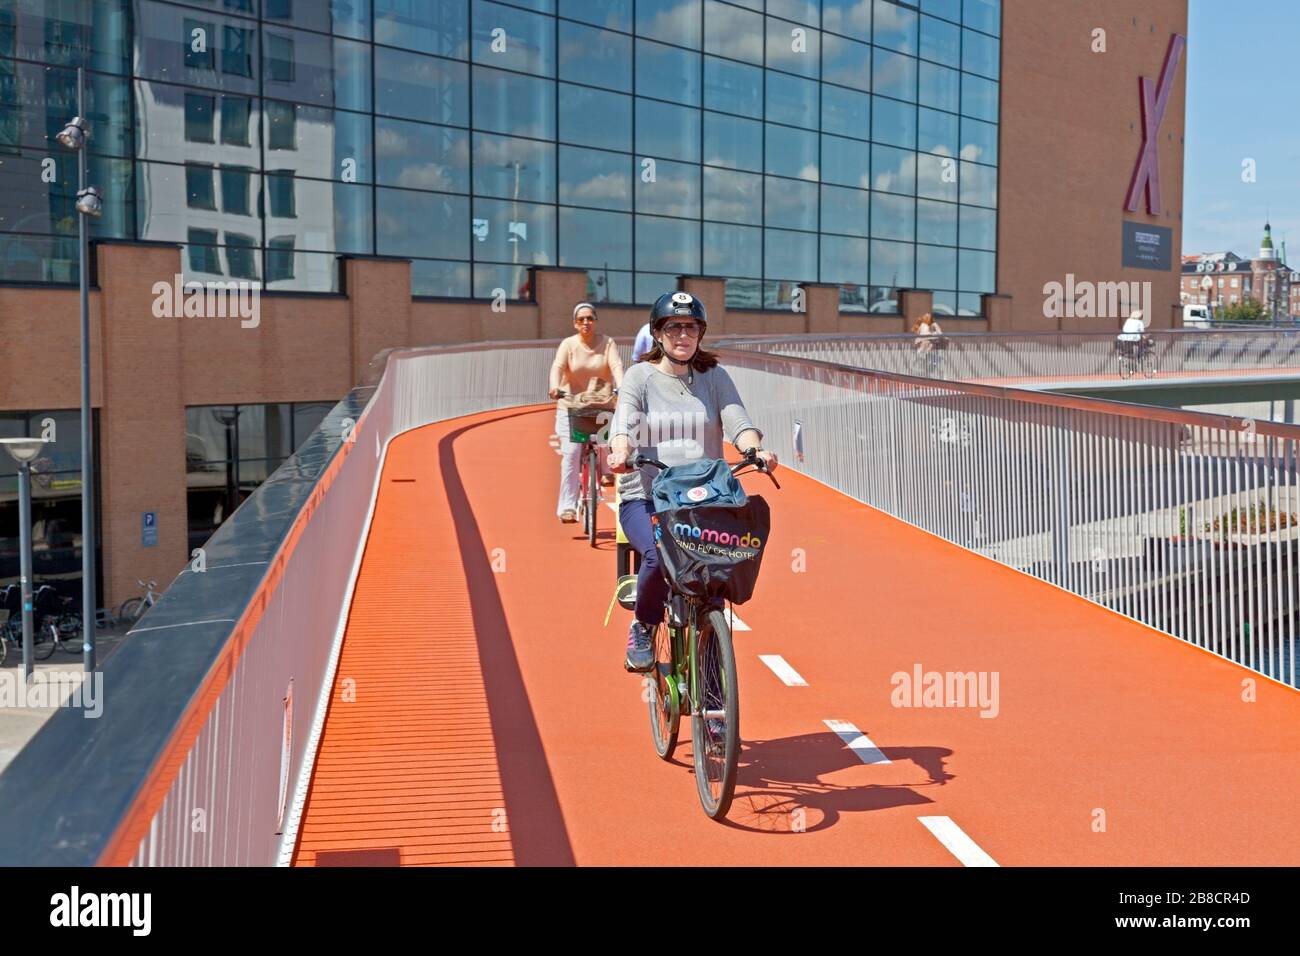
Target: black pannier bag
[[713, 551]]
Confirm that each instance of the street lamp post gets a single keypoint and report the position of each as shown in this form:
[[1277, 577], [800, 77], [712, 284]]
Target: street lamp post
[[89, 203], [23, 450], [227, 416]]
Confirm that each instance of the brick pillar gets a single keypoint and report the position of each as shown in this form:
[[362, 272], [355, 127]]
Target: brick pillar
[[142, 421], [914, 303], [712, 291], [823, 304], [379, 308], [997, 309], [557, 290]]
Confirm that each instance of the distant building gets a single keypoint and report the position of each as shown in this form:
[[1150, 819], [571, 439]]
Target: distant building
[[1221, 279]]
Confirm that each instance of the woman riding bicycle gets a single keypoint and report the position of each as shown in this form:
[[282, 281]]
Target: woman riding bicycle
[[579, 360], [675, 405]]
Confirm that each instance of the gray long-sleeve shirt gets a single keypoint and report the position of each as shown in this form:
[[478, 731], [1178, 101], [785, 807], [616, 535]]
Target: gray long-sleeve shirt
[[666, 419]]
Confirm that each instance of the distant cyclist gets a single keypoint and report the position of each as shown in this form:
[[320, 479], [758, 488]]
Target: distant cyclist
[[1131, 338], [677, 405], [1133, 328], [578, 361], [643, 343]]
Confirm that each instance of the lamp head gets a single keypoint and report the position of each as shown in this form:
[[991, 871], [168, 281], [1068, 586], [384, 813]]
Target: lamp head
[[73, 135], [89, 202], [23, 450]]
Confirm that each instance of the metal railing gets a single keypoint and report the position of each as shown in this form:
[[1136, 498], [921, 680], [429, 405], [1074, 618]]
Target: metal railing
[[1184, 521], [1022, 357], [213, 705]]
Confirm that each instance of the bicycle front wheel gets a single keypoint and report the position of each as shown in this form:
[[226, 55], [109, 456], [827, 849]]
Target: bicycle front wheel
[[715, 728], [593, 494], [662, 695]]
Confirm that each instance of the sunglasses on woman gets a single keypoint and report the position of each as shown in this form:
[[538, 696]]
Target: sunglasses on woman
[[682, 328]]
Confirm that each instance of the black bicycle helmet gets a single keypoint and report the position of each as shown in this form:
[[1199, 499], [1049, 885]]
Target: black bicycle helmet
[[677, 305]]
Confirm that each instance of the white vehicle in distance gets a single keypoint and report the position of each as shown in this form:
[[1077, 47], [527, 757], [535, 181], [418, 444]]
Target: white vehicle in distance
[[1196, 317]]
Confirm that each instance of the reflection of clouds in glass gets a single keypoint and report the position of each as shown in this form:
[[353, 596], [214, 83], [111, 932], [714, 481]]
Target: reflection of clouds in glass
[[678, 24], [893, 73], [894, 179], [740, 45], [669, 196], [897, 25], [732, 209], [782, 54], [855, 21], [598, 190], [393, 143], [971, 152], [791, 206], [810, 173]]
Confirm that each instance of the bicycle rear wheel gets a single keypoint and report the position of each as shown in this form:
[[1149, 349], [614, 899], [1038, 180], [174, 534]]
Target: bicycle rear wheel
[[44, 638], [593, 494], [129, 610], [70, 630], [715, 730], [664, 701], [1149, 364]]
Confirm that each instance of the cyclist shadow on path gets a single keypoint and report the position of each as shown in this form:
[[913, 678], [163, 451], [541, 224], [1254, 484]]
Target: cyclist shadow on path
[[780, 785]]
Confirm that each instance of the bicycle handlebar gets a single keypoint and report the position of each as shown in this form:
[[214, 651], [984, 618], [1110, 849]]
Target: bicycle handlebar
[[751, 459]]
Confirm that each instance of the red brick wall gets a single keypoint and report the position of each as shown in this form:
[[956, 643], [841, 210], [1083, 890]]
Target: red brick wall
[[1071, 131]]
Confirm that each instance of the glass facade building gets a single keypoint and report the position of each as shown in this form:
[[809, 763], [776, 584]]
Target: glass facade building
[[772, 142]]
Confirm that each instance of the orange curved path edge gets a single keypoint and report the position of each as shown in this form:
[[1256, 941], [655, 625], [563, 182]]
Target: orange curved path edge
[[490, 721]]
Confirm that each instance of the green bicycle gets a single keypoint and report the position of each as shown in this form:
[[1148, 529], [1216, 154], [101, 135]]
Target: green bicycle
[[695, 673]]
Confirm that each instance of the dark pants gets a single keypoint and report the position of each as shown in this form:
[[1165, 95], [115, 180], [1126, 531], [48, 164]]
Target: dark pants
[[651, 586]]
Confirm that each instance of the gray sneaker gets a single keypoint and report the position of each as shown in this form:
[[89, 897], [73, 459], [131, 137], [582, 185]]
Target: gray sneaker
[[640, 649]]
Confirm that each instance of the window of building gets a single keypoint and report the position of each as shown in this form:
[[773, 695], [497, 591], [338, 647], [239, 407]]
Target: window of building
[[279, 57], [198, 118], [237, 46], [282, 122], [280, 194], [202, 251], [235, 115], [231, 449], [235, 181], [279, 259], [241, 256], [198, 44], [200, 193], [56, 501]]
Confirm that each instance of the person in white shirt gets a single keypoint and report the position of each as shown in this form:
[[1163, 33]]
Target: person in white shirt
[[1133, 328], [644, 342]]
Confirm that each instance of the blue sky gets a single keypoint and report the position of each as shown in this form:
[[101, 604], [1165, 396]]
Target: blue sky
[[1240, 102]]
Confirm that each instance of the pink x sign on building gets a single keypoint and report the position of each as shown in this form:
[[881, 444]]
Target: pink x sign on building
[[1146, 175]]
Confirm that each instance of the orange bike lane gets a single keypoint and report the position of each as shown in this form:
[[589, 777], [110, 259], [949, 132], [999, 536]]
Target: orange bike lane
[[1108, 744]]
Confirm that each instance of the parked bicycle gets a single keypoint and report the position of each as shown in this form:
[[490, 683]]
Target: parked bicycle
[[54, 624], [134, 608], [695, 663]]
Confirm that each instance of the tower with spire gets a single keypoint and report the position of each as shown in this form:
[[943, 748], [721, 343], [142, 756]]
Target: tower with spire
[[1266, 250]]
